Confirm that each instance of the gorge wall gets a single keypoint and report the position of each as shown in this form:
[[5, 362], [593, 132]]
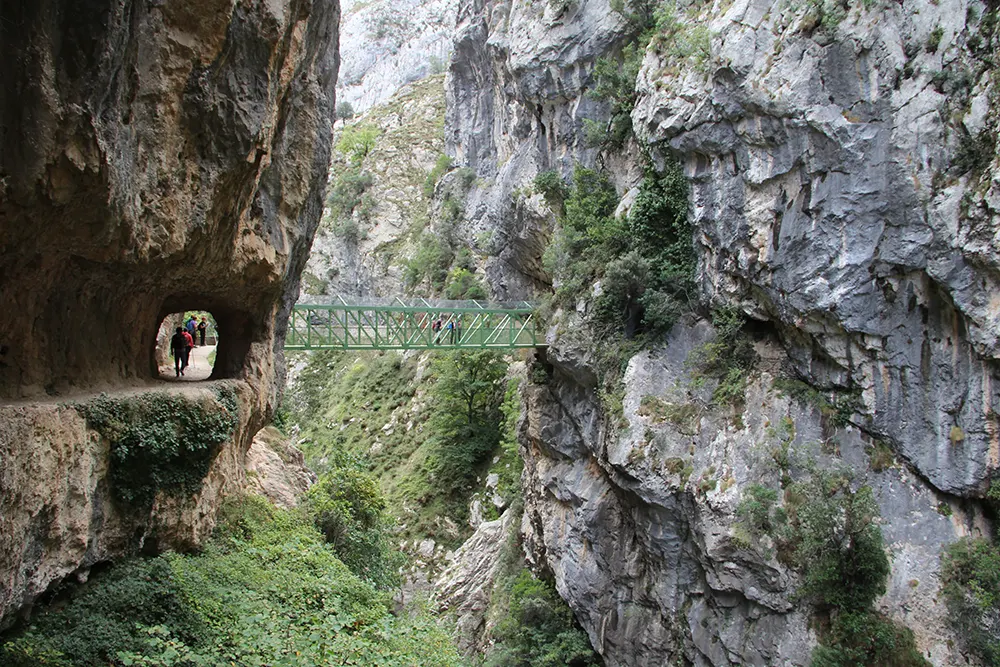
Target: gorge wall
[[841, 161], [156, 157]]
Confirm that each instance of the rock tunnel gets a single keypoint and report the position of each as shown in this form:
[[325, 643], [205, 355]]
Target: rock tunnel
[[154, 157]]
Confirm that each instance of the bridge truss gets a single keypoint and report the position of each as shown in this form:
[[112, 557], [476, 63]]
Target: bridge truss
[[346, 323]]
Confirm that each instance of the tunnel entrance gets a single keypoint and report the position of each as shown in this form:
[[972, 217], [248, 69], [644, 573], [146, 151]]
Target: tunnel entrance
[[192, 363]]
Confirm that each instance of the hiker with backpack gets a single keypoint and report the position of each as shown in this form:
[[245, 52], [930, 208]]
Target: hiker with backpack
[[180, 349]]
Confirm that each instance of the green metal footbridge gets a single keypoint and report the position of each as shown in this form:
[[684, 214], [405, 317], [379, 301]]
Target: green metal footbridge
[[356, 323]]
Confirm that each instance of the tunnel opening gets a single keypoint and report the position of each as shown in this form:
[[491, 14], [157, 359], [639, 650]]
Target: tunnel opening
[[218, 350], [187, 346]]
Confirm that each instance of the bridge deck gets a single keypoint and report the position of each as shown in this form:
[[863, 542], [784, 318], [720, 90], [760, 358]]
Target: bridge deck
[[408, 324]]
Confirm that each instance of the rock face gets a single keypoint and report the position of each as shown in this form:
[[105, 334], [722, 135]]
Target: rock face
[[841, 188], [842, 165], [386, 45], [276, 469], [516, 103], [639, 524], [58, 516], [362, 251], [156, 157], [465, 588]]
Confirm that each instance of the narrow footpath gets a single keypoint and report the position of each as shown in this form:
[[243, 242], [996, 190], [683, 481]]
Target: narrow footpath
[[198, 367]]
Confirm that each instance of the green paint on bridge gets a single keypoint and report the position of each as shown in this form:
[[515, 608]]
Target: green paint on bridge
[[354, 323]]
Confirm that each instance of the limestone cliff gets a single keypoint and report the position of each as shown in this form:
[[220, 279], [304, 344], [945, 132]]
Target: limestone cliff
[[386, 45], [841, 160], [156, 157], [842, 179]]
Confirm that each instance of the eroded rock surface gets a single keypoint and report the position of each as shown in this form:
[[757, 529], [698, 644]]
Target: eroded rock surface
[[388, 44], [516, 103], [155, 157], [276, 469], [834, 194], [842, 160], [639, 523]]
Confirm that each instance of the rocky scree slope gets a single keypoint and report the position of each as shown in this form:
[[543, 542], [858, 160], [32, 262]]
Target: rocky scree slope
[[841, 163], [156, 157], [376, 203]]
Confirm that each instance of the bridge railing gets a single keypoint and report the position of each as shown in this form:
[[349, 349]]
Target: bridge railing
[[410, 324]]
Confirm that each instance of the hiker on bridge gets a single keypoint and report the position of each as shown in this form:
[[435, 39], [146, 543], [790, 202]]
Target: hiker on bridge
[[202, 328], [190, 326]]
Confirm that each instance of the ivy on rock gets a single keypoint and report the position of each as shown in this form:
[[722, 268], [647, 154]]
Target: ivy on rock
[[160, 441]]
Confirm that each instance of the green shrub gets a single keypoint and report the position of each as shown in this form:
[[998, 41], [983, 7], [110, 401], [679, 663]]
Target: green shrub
[[839, 547], [538, 629], [614, 83], [439, 169], [465, 423], [622, 288], [660, 230], [463, 284], [159, 441], [867, 638], [347, 507], [551, 185], [758, 513], [357, 141], [429, 264], [970, 583], [645, 262], [348, 195], [934, 39], [345, 110], [730, 357]]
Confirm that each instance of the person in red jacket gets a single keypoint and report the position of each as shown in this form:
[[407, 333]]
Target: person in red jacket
[[189, 342]]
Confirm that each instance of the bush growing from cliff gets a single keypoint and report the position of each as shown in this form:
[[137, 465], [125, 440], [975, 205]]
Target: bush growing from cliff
[[466, 422], [645, 262], [463, 284], [357, 141], [538, 629], [970, 578], [348, 196], [159, 441], [345, 110], [430, 263], [439, 169], [348, 508], [729, 357], [837, 545], [267, 590]]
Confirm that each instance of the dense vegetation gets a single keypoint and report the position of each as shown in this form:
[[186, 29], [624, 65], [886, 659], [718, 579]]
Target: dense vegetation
[[970, 578], [645, 262], [160, 441], [426, 441], [537, 628], [267, 590], [830, 534]]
